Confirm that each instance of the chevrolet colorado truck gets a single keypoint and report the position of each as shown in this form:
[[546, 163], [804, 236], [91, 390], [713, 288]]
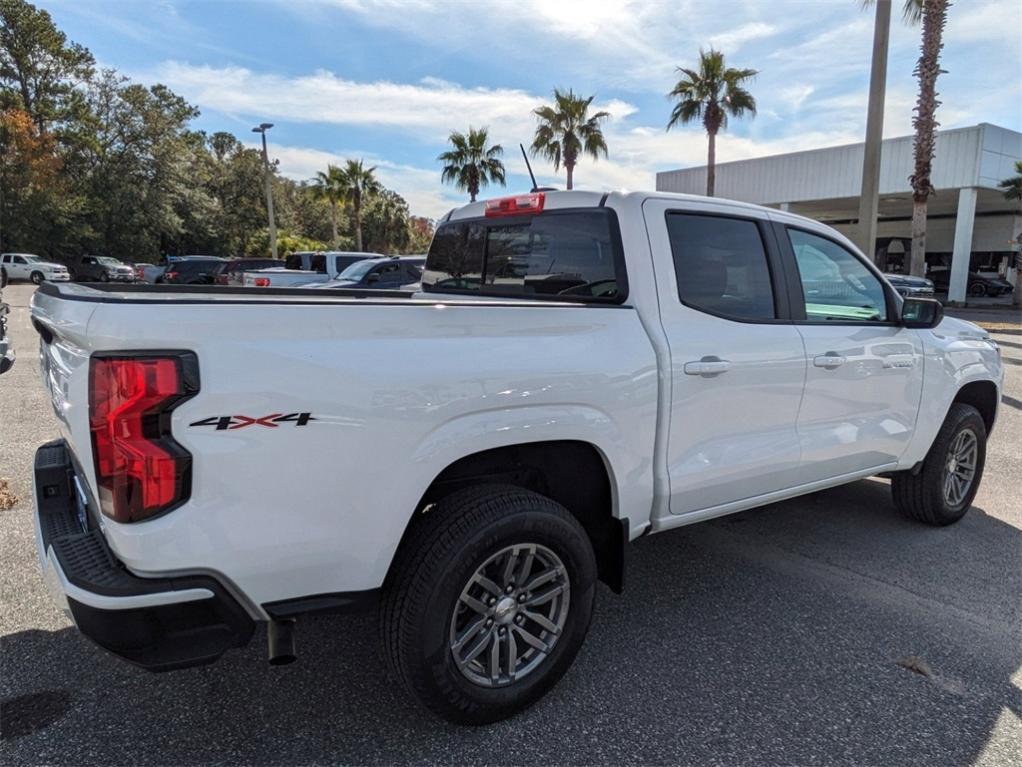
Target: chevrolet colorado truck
[[578, 370]]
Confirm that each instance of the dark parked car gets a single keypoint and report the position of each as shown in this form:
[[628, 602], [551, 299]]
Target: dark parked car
[[908, 285], [100, 269], [380, 274], [6, 350], [979, 284], [231, 273], [194, 270]]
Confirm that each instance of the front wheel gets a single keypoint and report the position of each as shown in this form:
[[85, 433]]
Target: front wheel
[[37, 278], [3, 278], [977, 289], [943, 489], [489, 602]]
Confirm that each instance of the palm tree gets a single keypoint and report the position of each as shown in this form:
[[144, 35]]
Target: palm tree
[[358, 181], [934, 17], [472, 164], [711, 95], [330, 186], [566, 130]]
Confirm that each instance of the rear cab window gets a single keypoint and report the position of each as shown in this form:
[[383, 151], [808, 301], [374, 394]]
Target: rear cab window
[[565, 255]]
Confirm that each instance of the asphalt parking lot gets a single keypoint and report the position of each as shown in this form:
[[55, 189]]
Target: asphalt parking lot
[[776, 636]]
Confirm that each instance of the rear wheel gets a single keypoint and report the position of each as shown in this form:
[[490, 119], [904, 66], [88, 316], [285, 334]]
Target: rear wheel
[[943, 489], [36, 277], [3, 278], [489, 601]]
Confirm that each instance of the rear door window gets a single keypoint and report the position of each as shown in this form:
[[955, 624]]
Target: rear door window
[[721, 266], [560, 255]]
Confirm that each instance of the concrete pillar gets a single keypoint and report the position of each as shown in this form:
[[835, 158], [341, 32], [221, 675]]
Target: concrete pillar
[[785, 206], [962, 253]]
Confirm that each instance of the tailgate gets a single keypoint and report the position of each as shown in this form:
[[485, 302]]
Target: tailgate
[[64, 366]]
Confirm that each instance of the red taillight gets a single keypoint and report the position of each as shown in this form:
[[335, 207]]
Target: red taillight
[[170, 275], [261, 282], [518, 205], [141, 471]]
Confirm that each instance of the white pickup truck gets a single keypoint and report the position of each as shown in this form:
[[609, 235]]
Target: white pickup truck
[[579, 370], [304, 268]]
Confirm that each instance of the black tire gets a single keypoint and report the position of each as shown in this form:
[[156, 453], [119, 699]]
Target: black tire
[[977, 290], [3, 278], [921, 496], [104, 277], [37, 278], [440, 554]]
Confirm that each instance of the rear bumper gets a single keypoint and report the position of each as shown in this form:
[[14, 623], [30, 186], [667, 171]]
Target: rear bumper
[[156, 623]]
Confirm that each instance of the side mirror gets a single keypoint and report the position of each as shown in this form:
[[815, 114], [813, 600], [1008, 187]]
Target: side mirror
[[921, 313]]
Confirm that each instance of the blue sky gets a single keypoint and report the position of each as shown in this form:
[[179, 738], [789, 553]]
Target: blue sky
[[388, 80]]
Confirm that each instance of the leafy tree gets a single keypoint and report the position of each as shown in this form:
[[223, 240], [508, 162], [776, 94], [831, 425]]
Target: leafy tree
[[331, 186], [710, 95], [39, 69], [359, 182], [385, 221], [472, 163], [420, 234], [566, 131]]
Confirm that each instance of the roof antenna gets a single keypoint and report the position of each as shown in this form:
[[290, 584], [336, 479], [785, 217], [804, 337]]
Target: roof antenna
[[532, 175]]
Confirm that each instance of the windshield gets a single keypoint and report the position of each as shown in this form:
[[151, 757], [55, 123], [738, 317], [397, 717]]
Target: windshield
[[108, 261], [357, 270]]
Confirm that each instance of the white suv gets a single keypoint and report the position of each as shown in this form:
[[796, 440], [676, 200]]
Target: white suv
[[26, 266]]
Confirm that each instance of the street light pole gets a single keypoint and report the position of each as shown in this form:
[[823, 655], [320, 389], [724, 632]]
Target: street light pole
[[262, 128], [869, 199]]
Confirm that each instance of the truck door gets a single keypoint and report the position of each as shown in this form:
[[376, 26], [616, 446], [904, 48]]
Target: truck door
[[737, 362], [864, 370]]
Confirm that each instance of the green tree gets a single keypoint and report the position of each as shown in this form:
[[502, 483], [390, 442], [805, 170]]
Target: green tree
[[359, 183], [567, 130], [710, 95], [385, 221], [331, 186], [39, 68], [472, 162]]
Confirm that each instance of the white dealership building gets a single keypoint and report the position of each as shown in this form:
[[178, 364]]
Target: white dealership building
[[970, 224]]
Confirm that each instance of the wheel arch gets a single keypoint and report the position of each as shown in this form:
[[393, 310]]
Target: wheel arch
[[983, 396], [574, 473]]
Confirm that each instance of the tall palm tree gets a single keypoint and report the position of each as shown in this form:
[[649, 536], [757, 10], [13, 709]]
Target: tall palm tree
[[330, 186], [711, 95], [472, 163], [934, 17], [358, 182], [566, 131]]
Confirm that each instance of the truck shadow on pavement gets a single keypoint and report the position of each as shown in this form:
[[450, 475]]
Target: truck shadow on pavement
[[769, 637]]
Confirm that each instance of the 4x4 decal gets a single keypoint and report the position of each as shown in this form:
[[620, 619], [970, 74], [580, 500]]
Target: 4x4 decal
[[272, 421]]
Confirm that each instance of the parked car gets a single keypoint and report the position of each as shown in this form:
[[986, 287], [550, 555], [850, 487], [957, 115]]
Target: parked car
[[194, 270], [233, 271], [907, 285], [101, 269], [579, 370], [378, 273], [27, 266], [152, 273], [305, 268], [6, 347], [978, 284]]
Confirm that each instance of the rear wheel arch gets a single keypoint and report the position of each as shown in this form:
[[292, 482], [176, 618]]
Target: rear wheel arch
[[573, 473]]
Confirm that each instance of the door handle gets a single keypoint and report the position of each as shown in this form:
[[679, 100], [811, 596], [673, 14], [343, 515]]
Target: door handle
[[830, 360], [707, 366]]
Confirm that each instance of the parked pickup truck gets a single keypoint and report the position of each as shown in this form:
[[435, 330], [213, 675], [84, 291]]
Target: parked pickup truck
[[579, 370], [305, 268], [101, 269]]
